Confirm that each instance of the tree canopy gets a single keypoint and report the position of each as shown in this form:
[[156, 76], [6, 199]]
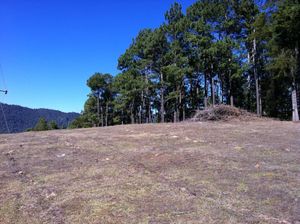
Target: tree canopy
[[237, 52]]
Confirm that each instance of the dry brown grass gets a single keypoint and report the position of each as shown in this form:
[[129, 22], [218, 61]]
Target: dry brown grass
[[233, 172]]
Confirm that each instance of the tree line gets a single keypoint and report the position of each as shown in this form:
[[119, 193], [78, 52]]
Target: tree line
[[244, 53], [43, 125]]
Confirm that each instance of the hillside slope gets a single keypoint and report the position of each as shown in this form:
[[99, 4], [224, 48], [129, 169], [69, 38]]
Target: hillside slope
[[246, 172], [21, 118]]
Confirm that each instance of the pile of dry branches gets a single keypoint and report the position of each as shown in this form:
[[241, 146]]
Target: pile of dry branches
[[223, 113]]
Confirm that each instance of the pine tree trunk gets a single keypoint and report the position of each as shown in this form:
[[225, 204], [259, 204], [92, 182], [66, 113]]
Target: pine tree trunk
[[294, 87], [140, 115], [98, 110], [183, 105], [102, 117], [149, 114], [132, 118], [295, 105], [132, 114], [230, 90], [257, 87], [180, 106], [175, 116], [142, 107], [258, 101], [213, 91], [106, 115], [197, 94], [205, 91], [148, 102], [162, 100], [222, 92], [175, 111], [231, 101]]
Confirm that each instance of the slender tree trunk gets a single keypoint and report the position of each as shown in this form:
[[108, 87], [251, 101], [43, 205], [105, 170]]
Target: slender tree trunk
[[257, 94], [178, 115], [231, 101], [180, 105], [149, 114], [183, 105], [230, 96], [257, 87], [132, 113], [162, 101], [295, 105], [205, 91], [132, 118], [175, 110], [213, 91], [102, 116], [222, 92], [260, 105], [197, 100], [106, 115], [217, 94], [175, 116], [98, 110], [294, 87], [212, 86], [142, 107], [249, 84], [140, 115]]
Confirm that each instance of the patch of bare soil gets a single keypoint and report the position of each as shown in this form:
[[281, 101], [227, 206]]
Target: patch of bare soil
[[224, 113], [194, 172]]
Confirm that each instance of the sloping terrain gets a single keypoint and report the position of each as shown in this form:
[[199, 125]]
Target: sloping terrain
[[21, 118], [226, 172]]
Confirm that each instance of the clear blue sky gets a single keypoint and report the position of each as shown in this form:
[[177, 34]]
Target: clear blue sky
[[49, 48]]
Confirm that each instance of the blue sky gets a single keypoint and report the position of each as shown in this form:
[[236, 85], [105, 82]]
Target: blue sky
[[49, 48]]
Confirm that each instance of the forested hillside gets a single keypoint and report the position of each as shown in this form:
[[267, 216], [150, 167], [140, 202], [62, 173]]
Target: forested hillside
[[21, 118], [239, 53]]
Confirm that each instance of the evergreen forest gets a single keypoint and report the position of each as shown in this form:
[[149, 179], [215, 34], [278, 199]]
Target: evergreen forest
[[242, 53]]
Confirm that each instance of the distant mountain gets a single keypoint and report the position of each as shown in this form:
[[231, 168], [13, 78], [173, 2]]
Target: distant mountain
[[20, 119]]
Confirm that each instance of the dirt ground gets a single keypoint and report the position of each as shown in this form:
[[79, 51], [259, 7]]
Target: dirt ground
[[225, 172]]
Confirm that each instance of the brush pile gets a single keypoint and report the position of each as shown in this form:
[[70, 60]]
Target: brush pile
[[223, 113]]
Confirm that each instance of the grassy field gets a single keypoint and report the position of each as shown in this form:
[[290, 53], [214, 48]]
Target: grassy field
[[227, 172]]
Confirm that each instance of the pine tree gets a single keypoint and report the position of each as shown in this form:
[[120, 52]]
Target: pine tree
[[285, 47], [42, 125], [53, 125]]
